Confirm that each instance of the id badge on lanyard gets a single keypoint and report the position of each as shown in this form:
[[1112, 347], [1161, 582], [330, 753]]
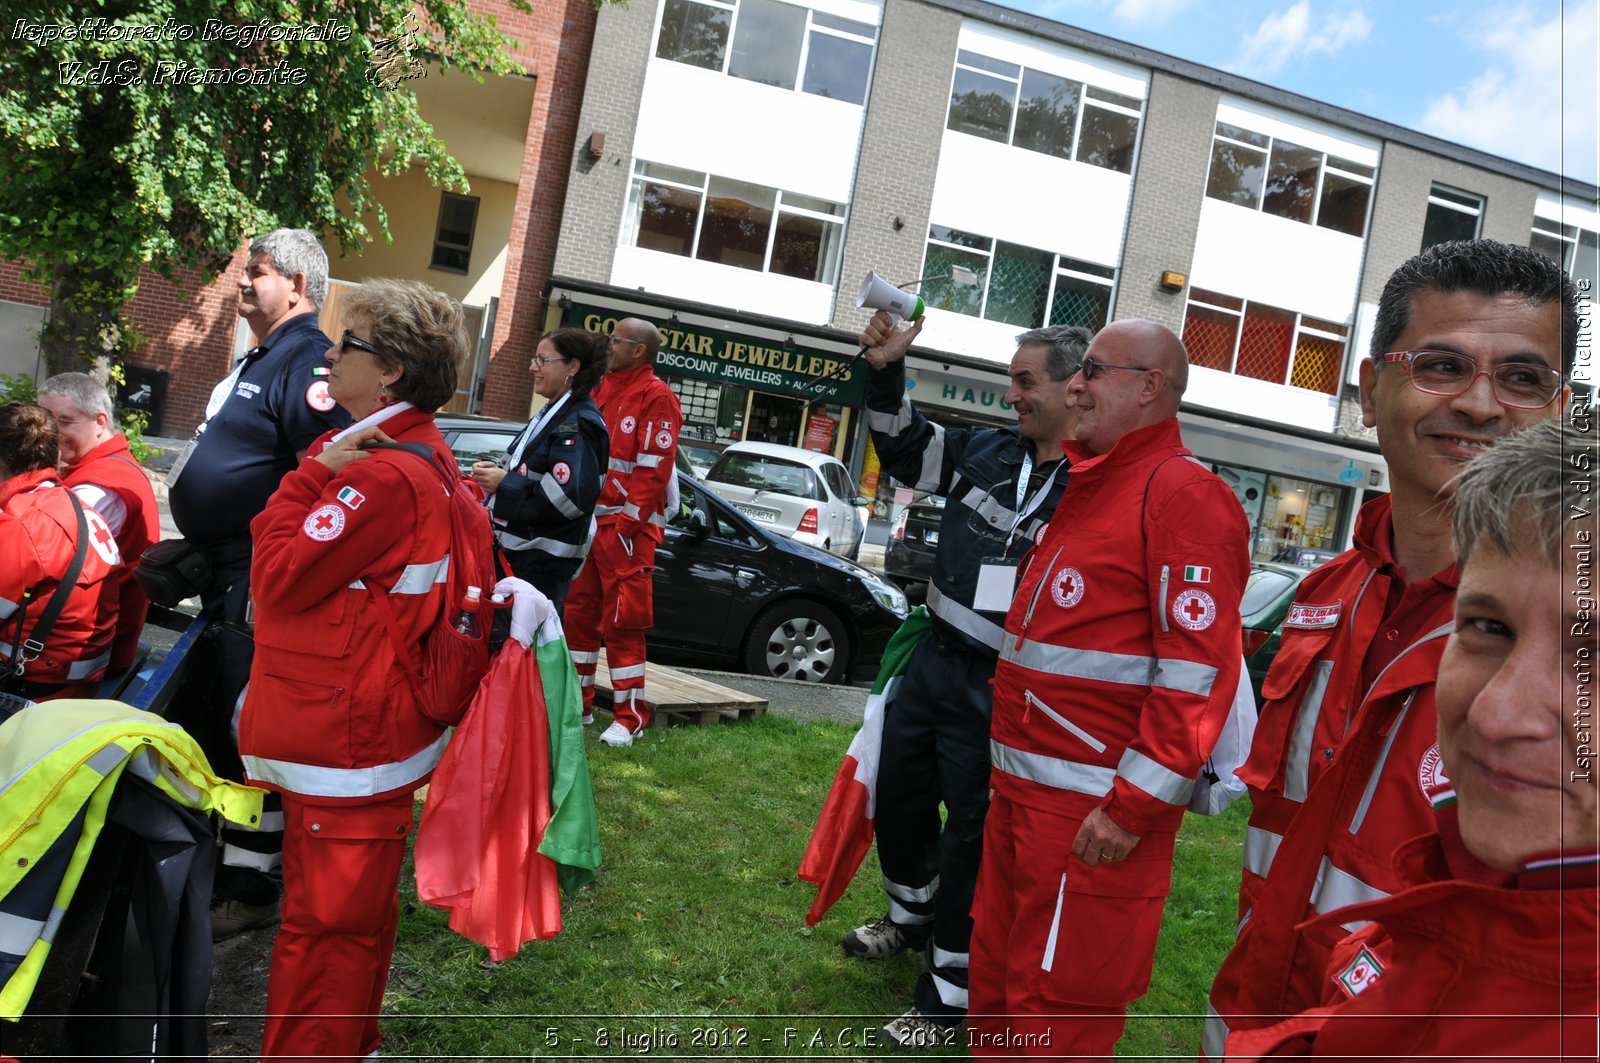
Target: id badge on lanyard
[[997, 576]]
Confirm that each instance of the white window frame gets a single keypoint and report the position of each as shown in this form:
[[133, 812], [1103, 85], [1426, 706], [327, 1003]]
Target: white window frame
[[1198, 298], [1325, 166], [1061, 265], [811, 26], [703, 191]]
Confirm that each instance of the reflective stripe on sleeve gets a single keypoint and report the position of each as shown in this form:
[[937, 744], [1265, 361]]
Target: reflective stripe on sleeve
[[1090, 779], [7, 608], [1186, 677], [558, 498], [619, 465], [650, 461], [1339, 889], [553, 547], [891, 424], [420, 579], [316, 780], [1157, 780], [1297, 768]]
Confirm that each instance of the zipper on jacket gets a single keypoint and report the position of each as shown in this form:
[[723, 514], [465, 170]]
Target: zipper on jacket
[[1029, 700], [1034, 601], [1166, 572]]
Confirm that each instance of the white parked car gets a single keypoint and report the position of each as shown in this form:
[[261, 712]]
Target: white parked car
[[801, 494]]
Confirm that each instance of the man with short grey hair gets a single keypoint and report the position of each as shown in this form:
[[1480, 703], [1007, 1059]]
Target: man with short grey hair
[[97, 465], [259, 422], [1002, 485]]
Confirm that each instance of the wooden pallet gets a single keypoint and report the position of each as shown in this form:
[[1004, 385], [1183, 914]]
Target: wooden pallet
[[678, 697]]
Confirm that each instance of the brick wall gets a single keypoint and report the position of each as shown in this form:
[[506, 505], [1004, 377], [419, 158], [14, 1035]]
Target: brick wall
[[554, 43], [899, 151], [599, 187], [1168, 187]]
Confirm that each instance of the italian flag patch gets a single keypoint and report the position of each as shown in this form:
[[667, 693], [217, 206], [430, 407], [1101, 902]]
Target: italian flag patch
[[1197, 573], [351, 497]]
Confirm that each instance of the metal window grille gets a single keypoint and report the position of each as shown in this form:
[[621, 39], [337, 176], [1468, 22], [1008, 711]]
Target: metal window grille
[[1209, 335], [1080, 302], [1316, 364], [1265, 343]]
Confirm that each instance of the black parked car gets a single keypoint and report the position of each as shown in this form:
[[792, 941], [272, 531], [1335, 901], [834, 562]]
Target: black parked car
[[913, 540], [731, 594]]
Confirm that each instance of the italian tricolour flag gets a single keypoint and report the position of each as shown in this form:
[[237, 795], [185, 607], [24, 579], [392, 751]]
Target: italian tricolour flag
[[843, 833]]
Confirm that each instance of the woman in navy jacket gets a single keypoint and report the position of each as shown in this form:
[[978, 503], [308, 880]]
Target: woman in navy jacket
[[543, 492]]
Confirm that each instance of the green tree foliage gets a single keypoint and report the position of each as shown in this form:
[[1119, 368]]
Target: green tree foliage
[[160, 133]]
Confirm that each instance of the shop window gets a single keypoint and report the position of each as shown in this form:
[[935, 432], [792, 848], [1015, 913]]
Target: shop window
[[1272, 175], [735, 223], [452, 236], [1263, 342], [1452, 215], [1017, 285], [1042, 112], [784, 45]]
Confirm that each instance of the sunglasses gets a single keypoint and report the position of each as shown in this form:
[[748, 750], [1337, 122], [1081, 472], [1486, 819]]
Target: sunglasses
[[348, 341], [1092, 368]]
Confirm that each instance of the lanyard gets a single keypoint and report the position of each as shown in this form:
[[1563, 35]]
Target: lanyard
[[1024, 508], [535, 426]]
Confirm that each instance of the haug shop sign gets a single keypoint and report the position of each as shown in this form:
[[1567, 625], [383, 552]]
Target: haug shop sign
[[746, 361]]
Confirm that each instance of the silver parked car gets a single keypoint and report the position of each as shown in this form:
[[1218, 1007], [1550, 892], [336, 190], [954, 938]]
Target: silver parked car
[[806, 496]]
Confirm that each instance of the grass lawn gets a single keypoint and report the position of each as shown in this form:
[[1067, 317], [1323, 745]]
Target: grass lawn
[[692, 942]]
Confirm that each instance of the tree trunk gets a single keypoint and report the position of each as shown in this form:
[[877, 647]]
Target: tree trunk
[[84, 323]]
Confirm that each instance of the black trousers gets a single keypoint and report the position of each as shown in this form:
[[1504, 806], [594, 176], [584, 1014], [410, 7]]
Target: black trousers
[[936, 752]]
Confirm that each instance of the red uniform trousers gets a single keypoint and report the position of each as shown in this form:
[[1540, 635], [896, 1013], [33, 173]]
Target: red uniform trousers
[[1059, 948], [341, 905], [613, 598]]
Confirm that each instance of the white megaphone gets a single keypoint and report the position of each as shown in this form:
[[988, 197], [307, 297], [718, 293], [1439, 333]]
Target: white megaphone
[[881, 295]]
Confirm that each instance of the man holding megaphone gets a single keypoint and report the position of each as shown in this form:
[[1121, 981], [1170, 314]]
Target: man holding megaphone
[[1001, 486]]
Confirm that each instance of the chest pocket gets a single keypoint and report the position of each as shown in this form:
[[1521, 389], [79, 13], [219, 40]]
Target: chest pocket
[[326, 630], [1298, 650], [983, 486]]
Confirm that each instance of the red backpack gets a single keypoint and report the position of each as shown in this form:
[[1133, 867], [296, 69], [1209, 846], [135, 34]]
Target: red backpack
[[451, 664]]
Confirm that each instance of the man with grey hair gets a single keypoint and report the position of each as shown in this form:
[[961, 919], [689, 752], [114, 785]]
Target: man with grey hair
[[96, 464], [259, 422], [1002, 486]]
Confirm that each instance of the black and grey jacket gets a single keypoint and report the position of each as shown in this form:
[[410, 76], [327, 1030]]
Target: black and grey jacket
[[977, 470], [544, 508]]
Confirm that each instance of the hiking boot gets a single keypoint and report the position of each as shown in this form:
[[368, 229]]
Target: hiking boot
[[231, 917], [915, 1029], [877, 941], [617, 735]]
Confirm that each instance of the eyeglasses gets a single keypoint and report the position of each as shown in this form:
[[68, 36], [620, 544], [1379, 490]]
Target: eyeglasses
[[347, 341], [1092, 368], [541, 361], [1523, 385], [624, 339]]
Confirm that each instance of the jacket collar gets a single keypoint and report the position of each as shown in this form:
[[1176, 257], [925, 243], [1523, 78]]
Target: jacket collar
[[23, 482], [109, 448], [1132, 448]]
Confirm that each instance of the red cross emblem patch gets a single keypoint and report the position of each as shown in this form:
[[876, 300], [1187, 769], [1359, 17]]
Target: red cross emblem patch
[[1067, 587], [100, 537], [1194, 609], [561, 471], [317, 396], [324, 523], [628, 424]]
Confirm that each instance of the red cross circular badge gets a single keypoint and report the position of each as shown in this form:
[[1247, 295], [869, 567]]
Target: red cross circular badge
[[562, 472], [1067, 587], [100, 537], [1194, 609], [324, 523], [628, 423], [317, 396], [1430, 770]]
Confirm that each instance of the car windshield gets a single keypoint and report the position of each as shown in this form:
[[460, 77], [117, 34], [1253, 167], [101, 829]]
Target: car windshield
[[762, 473], [1264, 587]]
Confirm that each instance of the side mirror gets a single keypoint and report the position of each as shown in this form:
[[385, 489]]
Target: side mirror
[[698, 527], [861, 500]]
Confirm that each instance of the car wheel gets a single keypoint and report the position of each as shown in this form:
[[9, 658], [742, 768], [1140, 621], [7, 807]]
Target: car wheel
[[798, 639]]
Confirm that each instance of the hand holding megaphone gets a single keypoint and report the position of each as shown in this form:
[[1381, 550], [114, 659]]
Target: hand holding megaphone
[[883, 343]]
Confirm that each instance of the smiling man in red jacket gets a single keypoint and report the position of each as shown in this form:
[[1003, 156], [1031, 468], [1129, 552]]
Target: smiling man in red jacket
[[1118, 667], [1470, 341]]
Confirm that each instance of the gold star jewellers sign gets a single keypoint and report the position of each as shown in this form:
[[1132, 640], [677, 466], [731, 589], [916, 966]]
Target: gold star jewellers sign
[[745, 361]]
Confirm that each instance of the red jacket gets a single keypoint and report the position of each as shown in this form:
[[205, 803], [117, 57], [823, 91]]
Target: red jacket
[[329, 714], [1340, 628], [643, 417], [111, 467], [1338, 850], [1121, 650], [38, 535], [1465, 963]]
